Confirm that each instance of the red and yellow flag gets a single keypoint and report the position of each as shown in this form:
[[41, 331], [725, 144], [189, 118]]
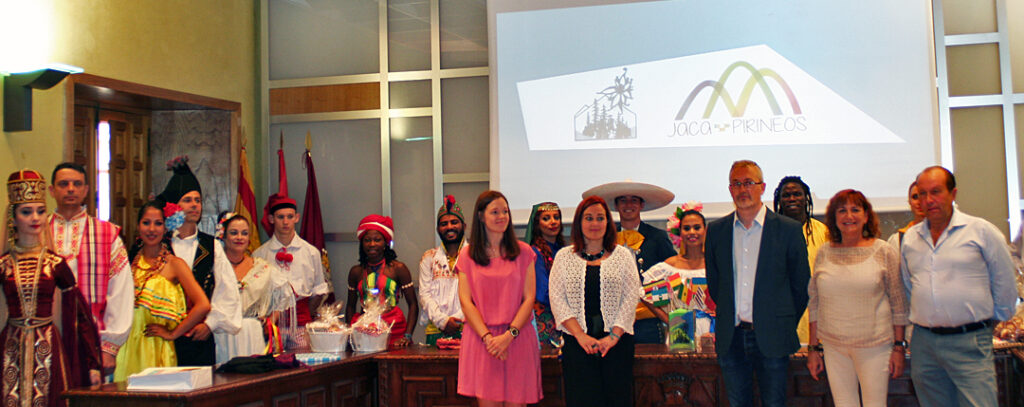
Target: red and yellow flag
[[245, 203]]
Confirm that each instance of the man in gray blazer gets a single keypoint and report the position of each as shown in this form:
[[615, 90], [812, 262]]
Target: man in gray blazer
[[757, 275]]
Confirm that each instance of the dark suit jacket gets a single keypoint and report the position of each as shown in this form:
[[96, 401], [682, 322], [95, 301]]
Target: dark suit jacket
[[780, 283], [655, 249]]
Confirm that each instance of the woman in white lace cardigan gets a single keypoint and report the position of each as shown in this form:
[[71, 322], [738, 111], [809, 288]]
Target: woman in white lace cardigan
[[594, 288]]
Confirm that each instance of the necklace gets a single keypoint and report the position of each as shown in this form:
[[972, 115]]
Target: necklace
[[148, 271], [25, 249], [592, 257], [235, 263]]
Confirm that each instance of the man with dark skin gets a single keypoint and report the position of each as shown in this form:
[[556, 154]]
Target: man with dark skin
[[439, 285], [793, 200]]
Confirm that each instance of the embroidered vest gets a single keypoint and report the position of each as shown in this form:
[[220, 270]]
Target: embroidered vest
[[202, 266]]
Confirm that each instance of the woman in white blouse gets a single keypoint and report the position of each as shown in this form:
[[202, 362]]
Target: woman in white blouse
[[594, 288], [858, 306], [263, 290]]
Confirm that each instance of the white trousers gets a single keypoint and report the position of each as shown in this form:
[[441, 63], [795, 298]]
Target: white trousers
[[851, 368]]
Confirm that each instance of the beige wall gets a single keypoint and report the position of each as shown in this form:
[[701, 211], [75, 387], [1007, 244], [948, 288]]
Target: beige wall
[[978, 144], [207, 48]]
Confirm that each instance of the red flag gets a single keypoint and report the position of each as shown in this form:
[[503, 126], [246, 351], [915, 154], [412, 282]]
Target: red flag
[[312, 229], [282, 175], [245, 202]]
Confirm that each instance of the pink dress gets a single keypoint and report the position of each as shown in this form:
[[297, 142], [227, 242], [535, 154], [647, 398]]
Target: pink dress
[[498, 292]]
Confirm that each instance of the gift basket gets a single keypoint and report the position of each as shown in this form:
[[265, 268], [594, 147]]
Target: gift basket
[[370, 332], [328, 333]]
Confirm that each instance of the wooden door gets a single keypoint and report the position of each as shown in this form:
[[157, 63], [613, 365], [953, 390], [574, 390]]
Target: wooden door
[[127, 169]]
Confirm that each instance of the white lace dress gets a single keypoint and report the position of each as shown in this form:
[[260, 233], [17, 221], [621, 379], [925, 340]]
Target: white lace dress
[[262, 291]]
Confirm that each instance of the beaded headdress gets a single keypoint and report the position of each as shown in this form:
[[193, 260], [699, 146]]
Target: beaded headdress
[[450, 207], [25, 186]]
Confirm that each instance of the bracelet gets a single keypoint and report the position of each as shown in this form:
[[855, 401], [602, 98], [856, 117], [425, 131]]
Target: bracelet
[[613, 335], [408, 336], [110, 348], [816, 348]]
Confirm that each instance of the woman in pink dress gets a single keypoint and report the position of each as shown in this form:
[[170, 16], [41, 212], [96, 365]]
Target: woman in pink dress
[[499, 361]]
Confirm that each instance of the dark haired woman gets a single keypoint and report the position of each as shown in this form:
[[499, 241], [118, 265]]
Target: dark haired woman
[[380, 275], [40, 361], [263, 290], [793, 199], [163, 286], [595, 287], [499, 361], [858, 306], [687, 229], [544, 233]]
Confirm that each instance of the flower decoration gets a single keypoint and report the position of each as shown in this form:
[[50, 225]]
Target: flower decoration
[[177, 161], [672, 224], [284, 257], [221, 225], [174, 216]]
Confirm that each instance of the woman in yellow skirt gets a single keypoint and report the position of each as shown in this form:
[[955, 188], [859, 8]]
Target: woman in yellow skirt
[[168, 300]]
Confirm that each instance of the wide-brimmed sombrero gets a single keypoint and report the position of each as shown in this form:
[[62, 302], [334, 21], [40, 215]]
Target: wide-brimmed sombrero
[[654, 196]]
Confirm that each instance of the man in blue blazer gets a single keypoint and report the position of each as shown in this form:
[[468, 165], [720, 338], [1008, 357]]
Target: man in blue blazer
[[757, 275]]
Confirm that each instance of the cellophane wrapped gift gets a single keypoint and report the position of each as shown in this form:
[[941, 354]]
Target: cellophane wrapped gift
[[329, 333], [370, 332]]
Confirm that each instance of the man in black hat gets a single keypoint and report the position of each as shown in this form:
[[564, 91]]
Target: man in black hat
[[210, 266]]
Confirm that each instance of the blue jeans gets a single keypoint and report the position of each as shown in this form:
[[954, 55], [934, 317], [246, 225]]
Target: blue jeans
[[648, 331], [955, 369], [741, 361]]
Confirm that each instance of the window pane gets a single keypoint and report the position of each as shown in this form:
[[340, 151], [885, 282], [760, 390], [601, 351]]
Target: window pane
[[409, 94], [464, 123], [463, 33], [322, 38], [408, 35]]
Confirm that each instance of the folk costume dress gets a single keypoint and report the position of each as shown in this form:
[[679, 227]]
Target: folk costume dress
[[376, 283], [263, 290], [497, 291], [547, 329], [38, 361], [157, 301]]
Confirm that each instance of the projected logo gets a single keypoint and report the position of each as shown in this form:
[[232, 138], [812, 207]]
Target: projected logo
[[609, 116], [777, 120], [737, 97]]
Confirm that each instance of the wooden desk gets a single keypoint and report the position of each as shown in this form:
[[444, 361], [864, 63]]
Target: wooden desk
[[349, 382], [420, 376]]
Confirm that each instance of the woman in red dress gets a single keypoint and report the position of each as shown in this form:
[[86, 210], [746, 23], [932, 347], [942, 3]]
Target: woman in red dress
[[39, 362]]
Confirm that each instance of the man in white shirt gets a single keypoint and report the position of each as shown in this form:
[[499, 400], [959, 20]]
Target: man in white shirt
[[439, 285], [298, 259], [960, 276], [209, 265], [97, 257]]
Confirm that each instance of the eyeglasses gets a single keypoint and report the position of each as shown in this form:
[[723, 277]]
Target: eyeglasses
[[744, 184]]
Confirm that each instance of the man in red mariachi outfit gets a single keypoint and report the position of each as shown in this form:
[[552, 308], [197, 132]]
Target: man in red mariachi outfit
[[97, 257]]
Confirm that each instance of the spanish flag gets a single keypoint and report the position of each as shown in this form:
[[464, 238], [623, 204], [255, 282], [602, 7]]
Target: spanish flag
[[245, 203]]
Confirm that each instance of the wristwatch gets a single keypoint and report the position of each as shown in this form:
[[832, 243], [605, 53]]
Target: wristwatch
[[902, 344], [513, 330]]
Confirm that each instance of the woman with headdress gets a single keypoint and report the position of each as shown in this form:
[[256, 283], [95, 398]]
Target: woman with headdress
[[544, 234], [263, 290], [38, 361], [683, 272], [380, 275], [168, 300]]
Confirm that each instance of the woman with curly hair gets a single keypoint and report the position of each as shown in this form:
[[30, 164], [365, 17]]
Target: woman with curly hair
[[380, 275]]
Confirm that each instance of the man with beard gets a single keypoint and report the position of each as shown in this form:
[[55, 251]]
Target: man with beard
[[209, 265], [793, 200], [439, 285]]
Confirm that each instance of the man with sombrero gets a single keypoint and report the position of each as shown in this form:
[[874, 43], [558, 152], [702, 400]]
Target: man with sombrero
[[650, 245], [209, 265]]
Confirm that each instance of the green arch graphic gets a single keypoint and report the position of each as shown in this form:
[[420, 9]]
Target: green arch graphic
[[737, 109]]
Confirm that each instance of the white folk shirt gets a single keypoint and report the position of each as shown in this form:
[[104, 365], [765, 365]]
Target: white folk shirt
[[225, 306], [439, 289], [306, 270], [117, 316]]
